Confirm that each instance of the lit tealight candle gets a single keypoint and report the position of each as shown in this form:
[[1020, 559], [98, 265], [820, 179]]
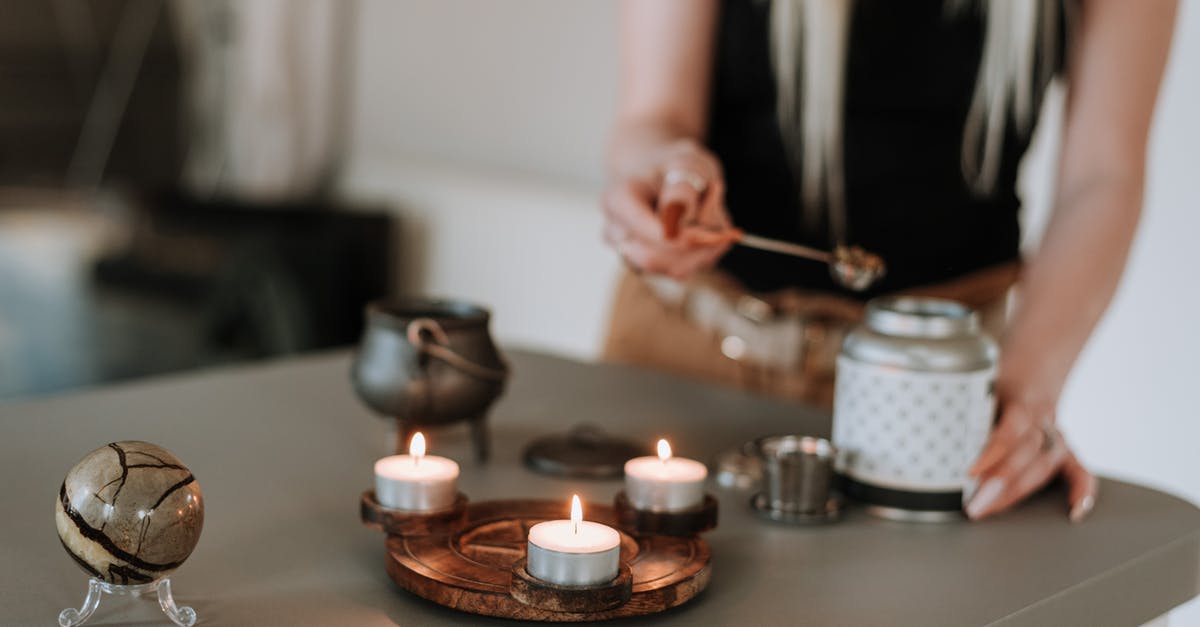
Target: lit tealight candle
[[664, 483], [573, 552], [416, 482]]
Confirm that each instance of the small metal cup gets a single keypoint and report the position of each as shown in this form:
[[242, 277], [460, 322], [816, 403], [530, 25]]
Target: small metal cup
[[798, 473]]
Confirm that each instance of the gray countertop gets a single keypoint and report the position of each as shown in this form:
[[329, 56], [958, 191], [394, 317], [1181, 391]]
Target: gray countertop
[[282, 452]]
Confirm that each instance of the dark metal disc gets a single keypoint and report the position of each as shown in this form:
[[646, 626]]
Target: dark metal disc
[[585, 452]]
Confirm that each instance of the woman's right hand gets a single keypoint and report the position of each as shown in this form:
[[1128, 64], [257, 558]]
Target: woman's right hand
[[668, 216]]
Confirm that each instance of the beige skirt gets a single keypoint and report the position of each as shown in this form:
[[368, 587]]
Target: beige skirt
[[783, 344]]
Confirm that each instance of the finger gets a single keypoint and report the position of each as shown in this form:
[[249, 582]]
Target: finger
[[1022, 453], [1082, 488], [688, 175], [998, 480], [712, 213], [1015, 423], [682, 264], [713, 226], [622, 241], [1020, 476], [642, 256], [658, 257], [631, 206], [673, 263], [677, 204], [701, 259], [675, 259], [614, 235]]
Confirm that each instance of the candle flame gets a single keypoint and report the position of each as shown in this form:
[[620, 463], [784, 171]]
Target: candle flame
[[664, 450], [416, 447], [576, 512]]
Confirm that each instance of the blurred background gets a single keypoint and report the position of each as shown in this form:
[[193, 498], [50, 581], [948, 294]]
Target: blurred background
[[197, 182]]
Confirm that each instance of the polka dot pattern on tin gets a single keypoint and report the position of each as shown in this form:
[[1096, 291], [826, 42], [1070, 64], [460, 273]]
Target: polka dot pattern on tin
[[917, 431]]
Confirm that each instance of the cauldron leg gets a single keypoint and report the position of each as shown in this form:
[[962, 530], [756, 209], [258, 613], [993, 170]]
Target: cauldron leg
[[480, 438]]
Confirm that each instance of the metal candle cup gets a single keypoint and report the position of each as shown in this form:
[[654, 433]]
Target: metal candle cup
[[416, 482], [664, 483], [573, 553], [799, 471]]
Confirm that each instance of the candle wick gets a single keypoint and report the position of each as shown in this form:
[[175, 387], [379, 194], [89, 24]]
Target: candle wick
[[575, 525]]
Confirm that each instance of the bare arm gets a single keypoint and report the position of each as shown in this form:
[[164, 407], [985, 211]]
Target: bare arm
[[656, 223], [666, 69], [1115, 66], [1115, 70]]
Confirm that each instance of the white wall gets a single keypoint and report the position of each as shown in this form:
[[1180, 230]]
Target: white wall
[[484, 124], [453, 96], [528, 248], [518, 85]]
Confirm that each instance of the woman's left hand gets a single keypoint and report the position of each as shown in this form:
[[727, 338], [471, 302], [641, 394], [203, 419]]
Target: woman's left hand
[[1023, 454]]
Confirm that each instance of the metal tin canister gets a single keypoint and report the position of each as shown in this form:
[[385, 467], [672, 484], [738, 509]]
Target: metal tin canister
[[913, 407]]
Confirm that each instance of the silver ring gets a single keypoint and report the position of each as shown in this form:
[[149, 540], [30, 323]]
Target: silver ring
[[687, 177], [1049, 437]]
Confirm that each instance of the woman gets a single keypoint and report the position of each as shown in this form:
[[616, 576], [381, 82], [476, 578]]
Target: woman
[[899, 127]]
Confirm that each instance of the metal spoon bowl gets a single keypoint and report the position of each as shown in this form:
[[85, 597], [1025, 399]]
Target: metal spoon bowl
[[855, 268]]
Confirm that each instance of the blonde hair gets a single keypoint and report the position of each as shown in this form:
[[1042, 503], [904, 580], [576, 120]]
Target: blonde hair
[[808, 46]]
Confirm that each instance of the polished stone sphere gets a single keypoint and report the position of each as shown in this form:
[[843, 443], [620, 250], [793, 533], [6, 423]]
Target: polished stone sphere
[[129, 513]]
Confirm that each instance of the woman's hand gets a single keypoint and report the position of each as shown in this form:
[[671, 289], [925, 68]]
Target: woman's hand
[[669, 217], [1024, 453]]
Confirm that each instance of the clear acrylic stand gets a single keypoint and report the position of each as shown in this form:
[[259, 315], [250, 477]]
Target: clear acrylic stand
[[183, 616]]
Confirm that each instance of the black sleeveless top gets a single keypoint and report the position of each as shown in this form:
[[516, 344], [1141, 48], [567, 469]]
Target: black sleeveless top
[[910, 76]]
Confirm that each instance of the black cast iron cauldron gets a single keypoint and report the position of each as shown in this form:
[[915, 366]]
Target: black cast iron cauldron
[[429, 363]]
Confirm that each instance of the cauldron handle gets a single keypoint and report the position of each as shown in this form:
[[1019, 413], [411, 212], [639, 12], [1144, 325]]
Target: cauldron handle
[[439, 348]]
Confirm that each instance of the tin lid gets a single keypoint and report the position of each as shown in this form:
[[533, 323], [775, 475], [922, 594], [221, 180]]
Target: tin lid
[[921, 316], [584, 452]]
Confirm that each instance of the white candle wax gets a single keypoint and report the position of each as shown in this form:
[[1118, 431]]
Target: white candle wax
[[573, 552], [664, 483], [416, 482]]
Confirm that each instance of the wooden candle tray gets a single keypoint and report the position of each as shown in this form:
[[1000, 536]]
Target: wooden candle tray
[[472, 558]]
